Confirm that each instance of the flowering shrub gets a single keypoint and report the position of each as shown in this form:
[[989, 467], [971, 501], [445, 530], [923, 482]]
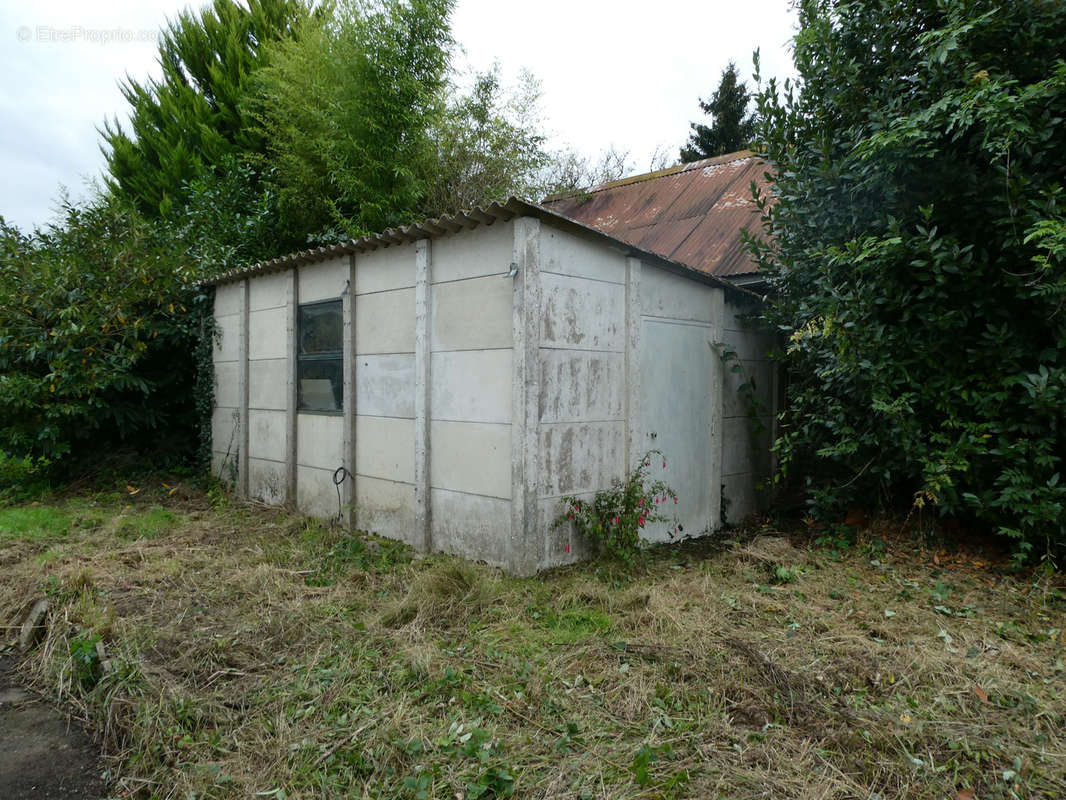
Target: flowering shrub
[[614, 517]]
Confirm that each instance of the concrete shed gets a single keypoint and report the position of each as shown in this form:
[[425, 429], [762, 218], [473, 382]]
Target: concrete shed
[[446, 383]]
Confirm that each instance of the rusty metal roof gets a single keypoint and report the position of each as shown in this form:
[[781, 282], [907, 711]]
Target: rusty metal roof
[[691, 213], [466, 220]]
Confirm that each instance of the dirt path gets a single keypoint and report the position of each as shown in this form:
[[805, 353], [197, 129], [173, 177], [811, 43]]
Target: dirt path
[[43, 755]]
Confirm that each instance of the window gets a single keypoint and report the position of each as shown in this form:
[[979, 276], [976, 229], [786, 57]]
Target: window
[[320, 356]]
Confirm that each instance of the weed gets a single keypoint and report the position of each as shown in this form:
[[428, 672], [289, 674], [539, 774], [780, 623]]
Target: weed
[[614, 518]]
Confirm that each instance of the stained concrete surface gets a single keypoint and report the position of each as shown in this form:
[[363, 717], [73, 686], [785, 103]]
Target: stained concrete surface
[[43, 754]]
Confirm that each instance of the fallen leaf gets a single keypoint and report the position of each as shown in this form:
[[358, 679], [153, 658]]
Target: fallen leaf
[[131, 490], [965, 794], [980, 693]]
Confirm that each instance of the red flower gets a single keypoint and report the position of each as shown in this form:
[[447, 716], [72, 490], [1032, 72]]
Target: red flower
[[640, 521], [570, 515], [675, 499], [617, 520], [567, 548], [640, 501], [664, 463]]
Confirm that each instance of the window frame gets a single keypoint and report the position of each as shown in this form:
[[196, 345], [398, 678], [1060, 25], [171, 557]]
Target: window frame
[[327, 356]]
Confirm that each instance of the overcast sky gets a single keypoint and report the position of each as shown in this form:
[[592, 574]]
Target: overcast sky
[[612, 73]]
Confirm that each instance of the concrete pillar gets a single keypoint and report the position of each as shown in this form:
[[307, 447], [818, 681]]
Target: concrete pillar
[[423, 365], [527, 540], [717, 399], [348, 396], [292, 302], [634, 412], [242, 395]]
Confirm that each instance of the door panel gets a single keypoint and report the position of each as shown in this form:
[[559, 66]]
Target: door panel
[[679, 374]]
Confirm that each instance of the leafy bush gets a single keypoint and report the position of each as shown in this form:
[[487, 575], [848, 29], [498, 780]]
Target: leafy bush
[[917, 245], [99, 323], [22, 477], [614, 518]]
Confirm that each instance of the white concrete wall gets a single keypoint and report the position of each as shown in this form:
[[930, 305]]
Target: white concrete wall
[[225, 439], [269, 345], [582, 403], [470, 375], [746, 455], [384, 392]]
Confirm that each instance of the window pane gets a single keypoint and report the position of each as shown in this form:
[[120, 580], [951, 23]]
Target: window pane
[[321, 384], [321, 328]]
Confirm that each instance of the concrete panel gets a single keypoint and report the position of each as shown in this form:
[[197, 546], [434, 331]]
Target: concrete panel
[[228, 299], [385, 448], [268, 334], [736, 310], [580, 456], [581, 386], [266, 481], [385, 269], [471, 386], [485, 250], [268, 384], [757, 373], [266, 434], [680, 373], [315, 493], [385, 508], [582, 314], [562, 545], [224, 467], [224, 423], [227, 337], [319, 441], [323, 281], [564, 253], [664, 294], [750, 345], [268, 291], [478, 528], [744, 451], [385, 322], [227, 378], [385, 385], [472, 314], [741, 497], [471, 457]]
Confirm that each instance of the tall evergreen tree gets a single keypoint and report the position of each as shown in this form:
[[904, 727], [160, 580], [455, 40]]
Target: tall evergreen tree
[[189, 119], [731, 125]]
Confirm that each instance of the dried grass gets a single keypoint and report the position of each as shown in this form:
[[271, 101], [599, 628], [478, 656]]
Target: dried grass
[[254, 653]]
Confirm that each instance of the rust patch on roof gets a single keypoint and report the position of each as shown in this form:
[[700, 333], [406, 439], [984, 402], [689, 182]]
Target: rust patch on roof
[[691, 213]]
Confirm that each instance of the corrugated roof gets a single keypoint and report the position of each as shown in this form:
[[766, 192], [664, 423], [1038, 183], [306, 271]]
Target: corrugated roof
[[691, 213], [466, 220]]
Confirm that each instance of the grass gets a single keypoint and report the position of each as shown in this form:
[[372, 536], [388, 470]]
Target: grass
[[254, 653], [32, 523]]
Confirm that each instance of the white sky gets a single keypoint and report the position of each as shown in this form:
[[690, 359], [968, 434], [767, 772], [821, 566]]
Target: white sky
[[612, 73]]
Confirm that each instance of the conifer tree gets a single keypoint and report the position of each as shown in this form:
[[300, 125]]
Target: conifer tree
[[731, 125], [190, 118]]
